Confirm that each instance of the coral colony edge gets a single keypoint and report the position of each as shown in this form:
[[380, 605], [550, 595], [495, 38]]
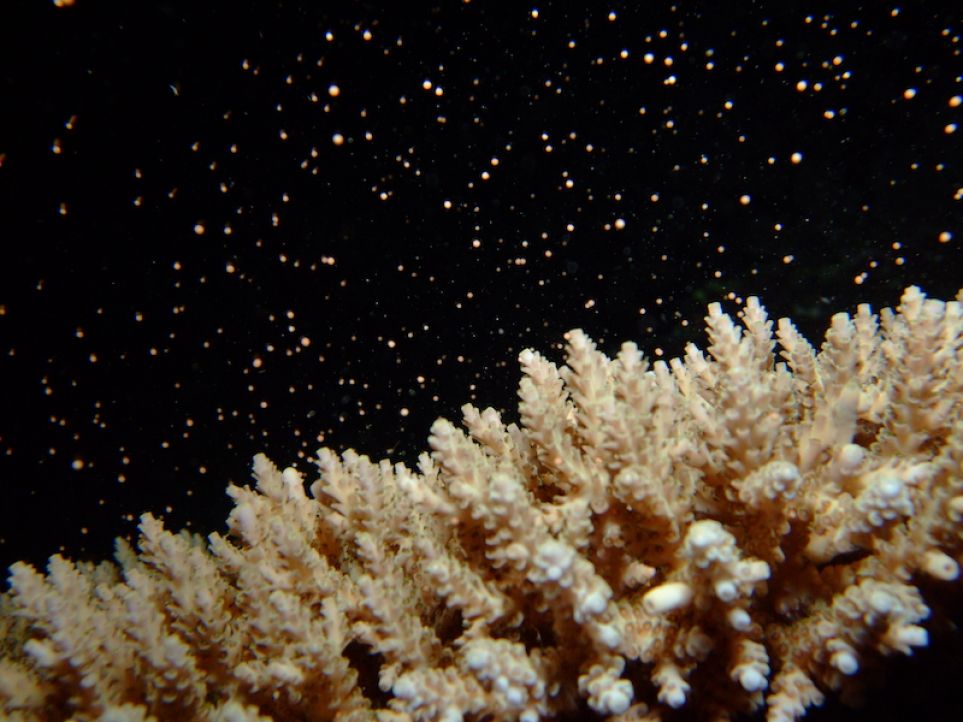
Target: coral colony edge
[[731, 531]]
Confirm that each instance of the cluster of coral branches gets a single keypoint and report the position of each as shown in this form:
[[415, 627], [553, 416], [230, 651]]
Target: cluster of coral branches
[[733, 530]]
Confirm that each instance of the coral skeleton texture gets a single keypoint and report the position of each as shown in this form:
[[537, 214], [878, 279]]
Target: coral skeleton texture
[[729, 531]]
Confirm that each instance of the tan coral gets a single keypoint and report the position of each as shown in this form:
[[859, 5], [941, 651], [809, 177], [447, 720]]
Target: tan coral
[[738, 530]]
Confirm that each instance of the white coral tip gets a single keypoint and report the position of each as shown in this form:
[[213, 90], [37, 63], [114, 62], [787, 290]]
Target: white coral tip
[[515, 696], [609, 636], [245, 518], [845, 662], [726, 590], [293, 483], [881, 602], [42, 651], [478, 658], [593, 603], [752, 680], [850, 457], [554, 558], [285, 672], [667, 597], [705, 533], [940, 566], [617, 698], [754, 570], [739, 619], [673, 696], [405, 688], [889, 486], [910, 635], [503, 490]]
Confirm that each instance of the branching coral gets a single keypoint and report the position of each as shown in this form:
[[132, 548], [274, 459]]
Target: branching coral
[[721, 532]]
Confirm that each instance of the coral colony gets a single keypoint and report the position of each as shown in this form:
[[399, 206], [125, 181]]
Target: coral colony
[[726, 532]]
